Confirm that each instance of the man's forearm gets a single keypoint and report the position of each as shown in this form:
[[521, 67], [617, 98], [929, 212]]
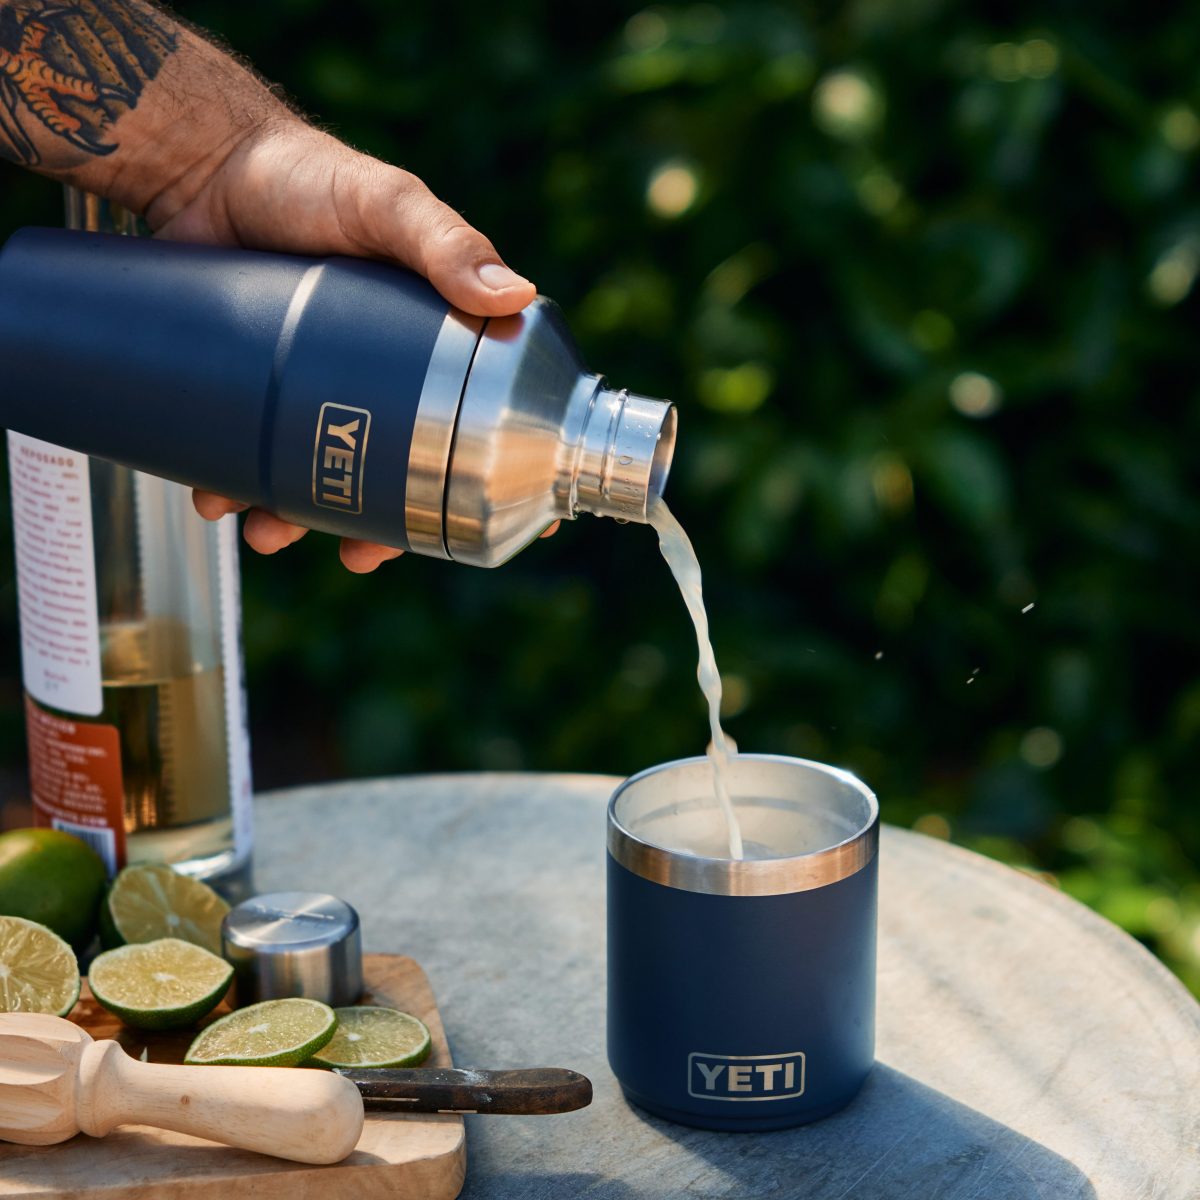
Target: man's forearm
[[118, 97]]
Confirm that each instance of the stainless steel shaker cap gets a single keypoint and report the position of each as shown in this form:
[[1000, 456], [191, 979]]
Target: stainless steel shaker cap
[[294, 944]]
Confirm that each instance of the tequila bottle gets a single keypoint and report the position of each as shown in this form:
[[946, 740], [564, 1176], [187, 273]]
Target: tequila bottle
[[131, 654]]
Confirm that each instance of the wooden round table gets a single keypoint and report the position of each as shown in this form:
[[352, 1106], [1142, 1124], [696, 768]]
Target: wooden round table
[[1026, 1047]]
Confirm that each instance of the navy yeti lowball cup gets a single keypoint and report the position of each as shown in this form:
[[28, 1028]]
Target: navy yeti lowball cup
[[741, 993]]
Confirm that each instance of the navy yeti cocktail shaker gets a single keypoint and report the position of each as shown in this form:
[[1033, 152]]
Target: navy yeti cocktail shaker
[[341, 394], [741, 993]]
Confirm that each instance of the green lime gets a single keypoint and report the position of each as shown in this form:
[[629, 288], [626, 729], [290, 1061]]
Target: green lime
[[149, 902], [275, 1033], [38, 971], [374, 1037], [159, 985], [52, 878]]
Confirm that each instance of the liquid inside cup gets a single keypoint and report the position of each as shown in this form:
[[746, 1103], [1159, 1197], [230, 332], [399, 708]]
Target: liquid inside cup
[[770, 828], [785, 808]]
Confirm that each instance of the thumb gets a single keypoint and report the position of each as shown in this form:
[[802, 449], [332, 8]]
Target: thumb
[[400, 218]]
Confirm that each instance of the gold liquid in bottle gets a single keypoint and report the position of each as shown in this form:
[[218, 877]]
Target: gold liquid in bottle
[[170, 713]]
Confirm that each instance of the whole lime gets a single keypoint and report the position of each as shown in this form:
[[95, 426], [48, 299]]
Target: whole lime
[[53, 878]]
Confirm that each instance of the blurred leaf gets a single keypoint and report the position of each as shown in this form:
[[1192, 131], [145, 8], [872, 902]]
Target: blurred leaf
[[964, 474]]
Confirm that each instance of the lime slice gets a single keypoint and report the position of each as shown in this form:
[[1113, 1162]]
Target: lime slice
[[275, 1033], [149, 902], [38, 971], [374, 1037], [159, 985]]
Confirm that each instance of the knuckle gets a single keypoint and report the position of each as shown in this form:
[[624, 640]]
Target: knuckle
[[411, 199], [434, 235]]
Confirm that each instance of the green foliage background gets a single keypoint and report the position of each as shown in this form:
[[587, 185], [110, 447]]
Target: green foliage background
[[928, 320]]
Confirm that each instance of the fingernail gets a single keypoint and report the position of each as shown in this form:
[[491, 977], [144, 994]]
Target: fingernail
[[498, 278]]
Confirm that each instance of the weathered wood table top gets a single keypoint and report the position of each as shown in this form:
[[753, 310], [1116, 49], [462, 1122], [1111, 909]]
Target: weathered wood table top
[[1026, 1047]]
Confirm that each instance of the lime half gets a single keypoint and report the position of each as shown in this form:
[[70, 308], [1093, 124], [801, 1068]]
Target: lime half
[[275, 1033], [374, 1037], [38, 971], [149, 902], [159, 985]]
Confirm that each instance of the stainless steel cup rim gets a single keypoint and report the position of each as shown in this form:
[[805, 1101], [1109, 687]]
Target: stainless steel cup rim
[[752, 877]]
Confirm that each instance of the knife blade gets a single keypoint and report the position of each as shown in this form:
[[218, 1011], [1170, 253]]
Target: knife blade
[[527, 1092]]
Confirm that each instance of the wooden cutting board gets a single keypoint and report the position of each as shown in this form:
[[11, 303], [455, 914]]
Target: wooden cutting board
[[402, 1156]]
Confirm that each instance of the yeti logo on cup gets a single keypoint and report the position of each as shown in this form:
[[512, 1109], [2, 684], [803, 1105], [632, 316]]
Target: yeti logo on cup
[[339, 453], [745, 1076]]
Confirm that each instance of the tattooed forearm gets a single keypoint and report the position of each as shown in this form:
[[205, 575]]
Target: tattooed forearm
[[69, 69]]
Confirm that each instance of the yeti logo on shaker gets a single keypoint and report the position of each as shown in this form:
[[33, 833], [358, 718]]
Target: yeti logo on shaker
[[339, 453], [745, 1076]]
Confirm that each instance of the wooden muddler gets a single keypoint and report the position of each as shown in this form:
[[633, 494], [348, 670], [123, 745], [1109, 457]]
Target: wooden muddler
[[55, 1081]]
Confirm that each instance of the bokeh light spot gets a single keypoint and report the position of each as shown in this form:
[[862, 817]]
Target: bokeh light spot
[[1004, 62], [1180, 128], [735, 695], [1010, 62], [879, 192], [736, 390], [1174, 274], [1041, 747], [975, 395], [672, 189], [892, 483], [646, 30], [847, 105], [1038, 58], [933, 825]]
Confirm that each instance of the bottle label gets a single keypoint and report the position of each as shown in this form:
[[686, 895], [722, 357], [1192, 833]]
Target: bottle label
[[76, 769], [56, 575], [75, 780]]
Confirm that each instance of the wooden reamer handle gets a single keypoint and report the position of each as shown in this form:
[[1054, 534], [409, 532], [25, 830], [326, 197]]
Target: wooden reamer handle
[[304, 1115]]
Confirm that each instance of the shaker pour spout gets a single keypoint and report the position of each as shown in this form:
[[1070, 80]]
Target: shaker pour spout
[[624, 456]]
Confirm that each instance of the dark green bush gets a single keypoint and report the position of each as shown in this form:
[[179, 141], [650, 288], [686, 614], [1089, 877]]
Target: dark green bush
[[919, 277]]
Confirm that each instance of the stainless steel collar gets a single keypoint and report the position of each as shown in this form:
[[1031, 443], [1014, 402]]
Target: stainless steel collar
[[433, 432], [655, 798]]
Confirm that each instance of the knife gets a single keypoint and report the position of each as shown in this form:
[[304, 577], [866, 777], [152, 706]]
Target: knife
[[528, 1092]]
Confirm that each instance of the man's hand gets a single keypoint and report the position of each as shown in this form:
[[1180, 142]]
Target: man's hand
[[116, 97], [290, 187]]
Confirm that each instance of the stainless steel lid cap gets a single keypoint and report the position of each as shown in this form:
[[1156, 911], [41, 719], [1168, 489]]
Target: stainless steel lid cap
[[286, 944]]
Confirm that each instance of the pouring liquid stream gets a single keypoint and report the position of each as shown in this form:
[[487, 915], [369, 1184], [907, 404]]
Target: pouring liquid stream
[[677, 549]]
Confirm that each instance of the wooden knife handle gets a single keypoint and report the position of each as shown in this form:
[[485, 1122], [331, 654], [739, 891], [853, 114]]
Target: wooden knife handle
[[533, 1091], [305, 1116]]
